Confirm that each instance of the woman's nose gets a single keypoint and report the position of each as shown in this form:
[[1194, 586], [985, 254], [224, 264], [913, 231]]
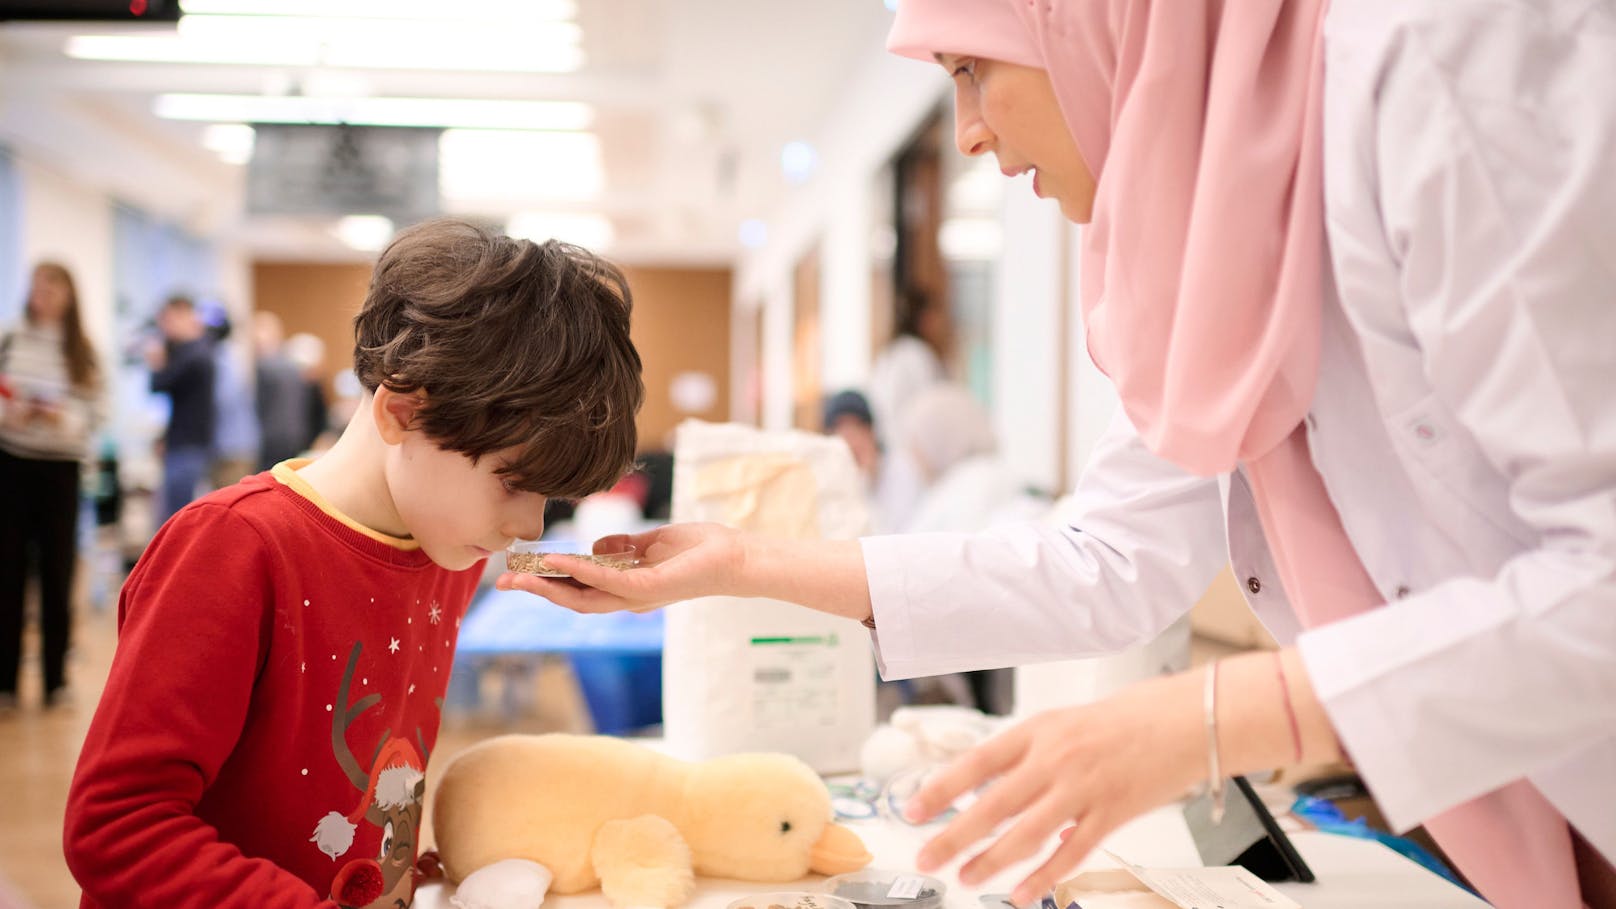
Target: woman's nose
[[971, 135]]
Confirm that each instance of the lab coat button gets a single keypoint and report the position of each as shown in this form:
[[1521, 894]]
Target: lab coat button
[[1254, 585], [1402, 591]]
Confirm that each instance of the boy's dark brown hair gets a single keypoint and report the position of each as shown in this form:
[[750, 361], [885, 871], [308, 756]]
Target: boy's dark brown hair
[[515, 344]]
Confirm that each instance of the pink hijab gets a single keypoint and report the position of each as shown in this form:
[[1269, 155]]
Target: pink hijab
[[1214, 107], [1202, 124]]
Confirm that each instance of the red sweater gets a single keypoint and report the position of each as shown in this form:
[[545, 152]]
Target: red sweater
[[275, 694]]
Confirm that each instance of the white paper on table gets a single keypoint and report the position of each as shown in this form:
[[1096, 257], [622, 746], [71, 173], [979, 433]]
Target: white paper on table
[[1225, 887]]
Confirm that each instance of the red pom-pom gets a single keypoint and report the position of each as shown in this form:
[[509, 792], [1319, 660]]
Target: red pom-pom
[[359, 883]]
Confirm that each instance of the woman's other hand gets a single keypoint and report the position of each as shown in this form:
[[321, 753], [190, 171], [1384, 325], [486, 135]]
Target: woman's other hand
[[1095, 767], [676, 562], [1092, 768]]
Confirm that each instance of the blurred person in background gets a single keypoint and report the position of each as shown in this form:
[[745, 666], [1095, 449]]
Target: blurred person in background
[[892, 483], [307, 353], [50, 386], [281, 394], [911, 362], [182, 367], [236, 436], [966, 485]]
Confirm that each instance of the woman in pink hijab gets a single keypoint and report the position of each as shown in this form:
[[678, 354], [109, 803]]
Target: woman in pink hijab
[[1350, 272]]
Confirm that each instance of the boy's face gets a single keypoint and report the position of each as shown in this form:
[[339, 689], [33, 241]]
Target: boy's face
[[458, 511]]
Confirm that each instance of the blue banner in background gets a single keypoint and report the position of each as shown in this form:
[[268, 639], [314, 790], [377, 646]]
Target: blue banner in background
[[12, 274]]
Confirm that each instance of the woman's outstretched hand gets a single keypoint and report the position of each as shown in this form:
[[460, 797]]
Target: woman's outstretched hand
[[677, 562], [1090, 768], [1095, 767]]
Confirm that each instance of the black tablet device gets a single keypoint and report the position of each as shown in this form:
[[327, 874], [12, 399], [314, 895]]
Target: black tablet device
[[1247, 836]]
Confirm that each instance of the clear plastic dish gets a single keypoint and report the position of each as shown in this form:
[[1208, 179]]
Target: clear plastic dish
[[874, 888], [529, 557], [791, 899], [893, 801]]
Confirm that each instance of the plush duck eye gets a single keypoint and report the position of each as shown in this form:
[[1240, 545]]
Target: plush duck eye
[[785, 826]]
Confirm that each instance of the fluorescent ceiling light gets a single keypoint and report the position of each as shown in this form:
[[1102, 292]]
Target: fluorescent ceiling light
[[367, 233], [489, 166], [508, 11], [473, 113], [232, 142], [540, 46], [591, 231]]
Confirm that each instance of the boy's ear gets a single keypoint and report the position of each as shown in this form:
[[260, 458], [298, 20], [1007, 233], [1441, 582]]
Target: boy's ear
[[394, 412]]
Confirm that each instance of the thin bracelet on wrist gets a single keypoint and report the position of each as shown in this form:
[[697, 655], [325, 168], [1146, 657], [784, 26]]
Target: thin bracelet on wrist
[[1290, 709]]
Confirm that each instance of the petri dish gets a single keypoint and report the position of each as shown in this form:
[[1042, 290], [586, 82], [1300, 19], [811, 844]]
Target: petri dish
[[903, 786], [874, 888], [791, 899], [530, 557]]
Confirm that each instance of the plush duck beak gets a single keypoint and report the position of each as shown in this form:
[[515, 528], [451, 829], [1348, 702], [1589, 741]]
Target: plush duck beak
[[838, 851]]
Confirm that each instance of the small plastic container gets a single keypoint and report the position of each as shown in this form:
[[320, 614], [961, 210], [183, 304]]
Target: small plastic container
[[528, 557], [791, 899], [903, 785], [874, 888]]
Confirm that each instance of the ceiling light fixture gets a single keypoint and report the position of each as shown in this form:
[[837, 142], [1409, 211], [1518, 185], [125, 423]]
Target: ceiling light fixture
[[482, 168], [469, 113], [232, 142], [367, 233], [591, 231], [306, 41], [506, 11]]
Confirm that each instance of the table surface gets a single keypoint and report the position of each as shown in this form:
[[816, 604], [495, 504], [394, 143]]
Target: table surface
[[1352, 873]]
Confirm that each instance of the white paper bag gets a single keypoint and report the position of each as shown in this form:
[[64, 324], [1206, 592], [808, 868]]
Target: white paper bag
[[745, 674]]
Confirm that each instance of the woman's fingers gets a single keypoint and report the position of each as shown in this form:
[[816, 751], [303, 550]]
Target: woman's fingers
[[562, 592], [967, 773], [1006, 797], [1076, 842], [1022, 841], [615, 543]]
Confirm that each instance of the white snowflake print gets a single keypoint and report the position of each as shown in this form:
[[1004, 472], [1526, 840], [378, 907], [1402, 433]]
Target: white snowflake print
[[435, 614], [393, 647], [412, 688]]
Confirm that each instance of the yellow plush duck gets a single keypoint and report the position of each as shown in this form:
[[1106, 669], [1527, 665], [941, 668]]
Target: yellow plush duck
[[593, 810]]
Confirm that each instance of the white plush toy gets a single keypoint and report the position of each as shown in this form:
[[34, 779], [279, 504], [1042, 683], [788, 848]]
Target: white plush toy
[[918, 736]]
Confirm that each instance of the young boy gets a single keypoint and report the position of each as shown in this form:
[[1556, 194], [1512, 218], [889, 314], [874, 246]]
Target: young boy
[[284, 644]]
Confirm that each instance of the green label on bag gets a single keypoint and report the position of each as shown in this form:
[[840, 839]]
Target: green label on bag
[[829, 641]]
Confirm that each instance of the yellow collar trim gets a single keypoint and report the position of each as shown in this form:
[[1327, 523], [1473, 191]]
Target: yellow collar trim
[[286, 473]]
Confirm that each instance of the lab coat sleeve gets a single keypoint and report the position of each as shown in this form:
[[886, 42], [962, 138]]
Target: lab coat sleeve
[[1497, 179], [1139, 544]]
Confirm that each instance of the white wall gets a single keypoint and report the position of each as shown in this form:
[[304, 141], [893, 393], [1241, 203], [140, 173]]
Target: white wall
[[1026, 340], [778, 349], [62, 220], [885, 100], [844, 289]]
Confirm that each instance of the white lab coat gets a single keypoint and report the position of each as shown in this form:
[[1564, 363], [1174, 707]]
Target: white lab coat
[[1464, 425]]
